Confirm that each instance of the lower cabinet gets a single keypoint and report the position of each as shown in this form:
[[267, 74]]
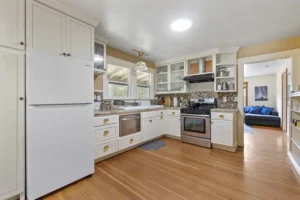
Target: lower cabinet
[[174, 126], [130, 140], [150, 128], [106, 148], [224, 130]]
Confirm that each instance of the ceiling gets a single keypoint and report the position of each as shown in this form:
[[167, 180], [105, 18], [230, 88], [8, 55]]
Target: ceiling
[[145, 24], [263, 68]]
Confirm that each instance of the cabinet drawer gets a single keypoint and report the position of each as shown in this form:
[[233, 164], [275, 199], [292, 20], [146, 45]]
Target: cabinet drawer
[[100, 121], [106, 132], [106, 148], [130, 140], [149, 114], [222, 116], [175, 113], [161, 113]]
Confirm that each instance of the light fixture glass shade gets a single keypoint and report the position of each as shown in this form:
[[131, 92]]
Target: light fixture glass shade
[[141, 66]]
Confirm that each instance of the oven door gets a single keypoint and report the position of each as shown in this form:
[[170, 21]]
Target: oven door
[[196, 126]]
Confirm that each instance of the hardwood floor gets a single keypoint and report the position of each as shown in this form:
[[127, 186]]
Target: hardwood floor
[[185, 172]]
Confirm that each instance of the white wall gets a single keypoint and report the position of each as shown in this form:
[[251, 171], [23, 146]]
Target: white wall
[[254, 81]]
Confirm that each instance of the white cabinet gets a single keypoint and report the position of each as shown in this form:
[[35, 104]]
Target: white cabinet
[[174, 127], [130, 140], [169, 78], [80, 39], [106, 148], [12, 119], [12, 21], [150, 128], [224, 130], [52, 31]]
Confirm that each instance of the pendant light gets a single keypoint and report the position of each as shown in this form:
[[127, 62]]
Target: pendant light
[[140, 66]]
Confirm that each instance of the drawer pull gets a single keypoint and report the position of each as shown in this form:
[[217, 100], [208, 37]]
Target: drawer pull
[[105, 133], [173, 113], [161, 112], [221, 116], [105, 149], [105, 121], [161, 117], [150, 120], [131, 141]]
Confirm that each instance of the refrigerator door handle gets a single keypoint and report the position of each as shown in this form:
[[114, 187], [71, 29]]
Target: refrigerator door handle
[[60, 105]]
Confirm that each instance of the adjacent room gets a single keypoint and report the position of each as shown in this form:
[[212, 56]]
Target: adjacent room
[[149, 100]]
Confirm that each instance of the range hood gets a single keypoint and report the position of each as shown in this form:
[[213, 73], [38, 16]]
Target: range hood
[[199, 78]]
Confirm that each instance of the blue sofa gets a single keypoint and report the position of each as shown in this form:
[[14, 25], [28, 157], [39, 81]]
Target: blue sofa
[[272, 119]]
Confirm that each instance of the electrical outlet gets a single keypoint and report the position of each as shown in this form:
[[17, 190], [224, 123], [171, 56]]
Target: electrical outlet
[[224, 99]]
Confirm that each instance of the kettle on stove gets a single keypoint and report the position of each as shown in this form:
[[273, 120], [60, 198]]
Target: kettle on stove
[[225, 86]]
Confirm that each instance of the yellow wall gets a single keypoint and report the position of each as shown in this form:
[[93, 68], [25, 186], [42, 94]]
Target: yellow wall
[[110, 51], [269, 47]]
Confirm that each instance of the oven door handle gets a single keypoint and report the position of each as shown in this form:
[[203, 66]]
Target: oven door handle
[[195, 116], [131, 118]]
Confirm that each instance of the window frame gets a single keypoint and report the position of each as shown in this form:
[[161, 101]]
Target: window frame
[[119, 83], [150, 86]]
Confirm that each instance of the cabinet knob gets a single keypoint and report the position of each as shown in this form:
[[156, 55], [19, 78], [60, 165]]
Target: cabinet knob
[[105, 121], [105, 133], [131, 141], [68, 54], [105, 149], [21, 43], [21, 98], [64, 54], [173, 113], [150, 121], [221, 116]]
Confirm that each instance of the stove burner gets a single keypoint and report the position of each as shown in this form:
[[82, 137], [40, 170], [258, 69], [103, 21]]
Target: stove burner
[[200, 106]]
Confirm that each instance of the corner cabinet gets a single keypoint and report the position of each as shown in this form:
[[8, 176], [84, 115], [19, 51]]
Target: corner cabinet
[[12, 20], [52, 31], [169, 78], [12, 123]]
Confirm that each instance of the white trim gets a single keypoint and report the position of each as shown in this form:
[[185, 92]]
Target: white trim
[[294, 163]]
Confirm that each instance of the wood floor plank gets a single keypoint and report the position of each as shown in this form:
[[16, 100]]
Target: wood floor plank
[[179, 171]]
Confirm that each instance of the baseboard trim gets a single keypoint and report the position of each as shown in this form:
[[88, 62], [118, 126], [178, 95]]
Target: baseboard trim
[[294, 163], [225, 148]]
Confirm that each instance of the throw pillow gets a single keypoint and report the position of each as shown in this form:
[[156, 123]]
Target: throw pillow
[[255, 110], [247, 109], [266, 110]]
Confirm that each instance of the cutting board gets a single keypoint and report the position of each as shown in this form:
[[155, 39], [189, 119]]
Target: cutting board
[[167, 101]]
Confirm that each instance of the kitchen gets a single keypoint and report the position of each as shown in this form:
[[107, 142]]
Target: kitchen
[[79, 110]]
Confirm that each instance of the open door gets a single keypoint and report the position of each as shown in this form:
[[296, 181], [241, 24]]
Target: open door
[[284, 100]]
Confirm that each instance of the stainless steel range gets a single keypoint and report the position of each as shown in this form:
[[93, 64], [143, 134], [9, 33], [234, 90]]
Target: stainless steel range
[[195, 122]]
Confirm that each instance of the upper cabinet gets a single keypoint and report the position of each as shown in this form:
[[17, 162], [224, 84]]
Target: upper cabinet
[[12, 20], [56, 32], [169, 78]]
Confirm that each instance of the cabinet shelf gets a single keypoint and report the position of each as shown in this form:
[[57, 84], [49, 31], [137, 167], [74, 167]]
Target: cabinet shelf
[[98, 71], [225, 64], [177, 81], [295, 111], [162, 83], [175, 71], [162, 73], [297, 128], [225, 77], [225, 91]]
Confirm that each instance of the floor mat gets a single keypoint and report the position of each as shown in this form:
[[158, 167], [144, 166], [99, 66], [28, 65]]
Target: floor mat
[[248, 129], [153, 145]]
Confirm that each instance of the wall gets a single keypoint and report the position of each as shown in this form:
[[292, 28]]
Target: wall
[[269, 47], [116, 53], [269, 81]]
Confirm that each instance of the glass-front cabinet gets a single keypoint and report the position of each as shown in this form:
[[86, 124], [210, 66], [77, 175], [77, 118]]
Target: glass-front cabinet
[[169, 78], [99, 57]]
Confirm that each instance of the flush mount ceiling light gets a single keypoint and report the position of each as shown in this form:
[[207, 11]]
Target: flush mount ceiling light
[[140, 66], [181, 25]]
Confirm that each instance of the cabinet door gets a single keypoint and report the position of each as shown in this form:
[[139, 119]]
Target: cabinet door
[[174, 126], [149, 129], [162, 126], [12, 20], [222, 132], [48, 29], [80, 39], [12, 109], [177, 83]]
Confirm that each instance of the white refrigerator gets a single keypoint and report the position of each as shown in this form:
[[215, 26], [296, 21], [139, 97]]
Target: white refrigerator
[[59, 136]]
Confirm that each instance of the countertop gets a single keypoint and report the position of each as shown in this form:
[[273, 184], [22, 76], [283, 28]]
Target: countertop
[[123, 112], [224, 110]]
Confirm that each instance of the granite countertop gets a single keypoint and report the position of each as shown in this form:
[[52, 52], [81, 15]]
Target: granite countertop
[[224, 110], [123, 112]]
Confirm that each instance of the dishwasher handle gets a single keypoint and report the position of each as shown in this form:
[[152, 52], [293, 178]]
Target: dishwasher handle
[[131, 118]]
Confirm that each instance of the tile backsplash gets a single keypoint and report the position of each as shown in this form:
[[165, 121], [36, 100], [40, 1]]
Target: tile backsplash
[[230, 96]]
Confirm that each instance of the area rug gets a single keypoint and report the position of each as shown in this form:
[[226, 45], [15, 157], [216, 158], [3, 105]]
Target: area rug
[[153, 145], [248, 129]]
